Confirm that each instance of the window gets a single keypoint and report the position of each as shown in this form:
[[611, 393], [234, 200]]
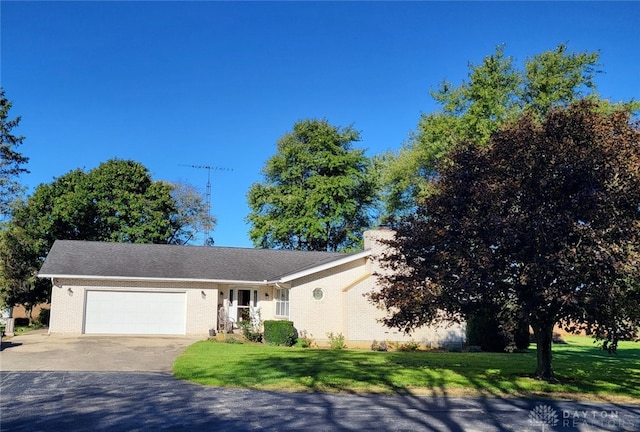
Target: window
[[282, 302], [318, 294]]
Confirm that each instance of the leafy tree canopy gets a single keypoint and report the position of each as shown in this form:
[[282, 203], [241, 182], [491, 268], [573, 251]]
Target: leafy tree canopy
[[497, 91], [542, 224], [117, 202], [317, 192], [12, 161], [19, 263]]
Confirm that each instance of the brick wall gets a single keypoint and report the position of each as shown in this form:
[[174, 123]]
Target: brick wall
[[68, 302], [20, 312]]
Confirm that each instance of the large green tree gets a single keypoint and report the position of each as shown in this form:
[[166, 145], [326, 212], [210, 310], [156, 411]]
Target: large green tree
[[19, 264], [11, 164], [496, 91], [317, 192], [542, 224], [118, 202]]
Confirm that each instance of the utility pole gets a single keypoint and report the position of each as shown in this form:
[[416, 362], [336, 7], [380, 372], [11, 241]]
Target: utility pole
[[208, 241]]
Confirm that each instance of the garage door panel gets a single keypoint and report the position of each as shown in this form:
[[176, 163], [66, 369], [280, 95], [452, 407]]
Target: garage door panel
[[135, 312]]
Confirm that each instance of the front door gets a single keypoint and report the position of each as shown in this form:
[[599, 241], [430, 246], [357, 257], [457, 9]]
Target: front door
[[244, 301], [240, 305]]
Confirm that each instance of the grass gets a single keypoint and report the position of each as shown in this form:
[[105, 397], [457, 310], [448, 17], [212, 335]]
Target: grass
[[18, 330], [583, 371]]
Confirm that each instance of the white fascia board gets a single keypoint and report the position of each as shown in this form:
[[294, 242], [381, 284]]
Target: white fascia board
[[327, 266], [151, 279]]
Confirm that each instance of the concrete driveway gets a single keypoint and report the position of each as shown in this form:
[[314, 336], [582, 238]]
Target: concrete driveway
[[39, 351]]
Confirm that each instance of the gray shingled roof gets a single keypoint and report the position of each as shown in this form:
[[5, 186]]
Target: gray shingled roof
[[85, 258]]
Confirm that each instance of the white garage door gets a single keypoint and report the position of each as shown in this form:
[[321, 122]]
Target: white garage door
[[134, 312]]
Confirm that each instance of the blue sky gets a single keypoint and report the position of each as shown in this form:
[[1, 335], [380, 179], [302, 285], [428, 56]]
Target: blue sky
[[217, 83]]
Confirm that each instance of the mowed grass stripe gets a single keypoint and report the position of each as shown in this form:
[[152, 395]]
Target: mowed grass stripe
[[583, 370]]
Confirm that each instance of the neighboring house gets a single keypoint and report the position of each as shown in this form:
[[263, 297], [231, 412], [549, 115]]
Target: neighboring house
[[145, 289], [20, 312]]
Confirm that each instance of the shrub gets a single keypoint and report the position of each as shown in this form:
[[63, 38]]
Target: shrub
[[407, 346], [21, 322], [336, 342], [279, 333], [43, 317], [305, 340], [379, 346], [485, 333], [484, 330], [558, 339], [250, 332]]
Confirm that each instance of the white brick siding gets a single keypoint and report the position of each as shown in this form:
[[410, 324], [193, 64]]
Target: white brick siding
[[343, 309], [69, 295]]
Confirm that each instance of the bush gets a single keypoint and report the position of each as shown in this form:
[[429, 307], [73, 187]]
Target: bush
[[484, 331], [336, 342], [407, 346], [250, 332], [279, 333], [305, 340], [379, 346], [43, 317], [21, 322]]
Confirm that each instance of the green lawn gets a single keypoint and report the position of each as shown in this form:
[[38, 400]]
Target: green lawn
[[583, 370]]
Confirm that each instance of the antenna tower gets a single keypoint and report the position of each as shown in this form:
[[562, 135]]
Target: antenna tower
[[208, 241]]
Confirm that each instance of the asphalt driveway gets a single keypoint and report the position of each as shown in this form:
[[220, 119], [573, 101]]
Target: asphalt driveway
[[39, 351], [135, 401], [51, 383]]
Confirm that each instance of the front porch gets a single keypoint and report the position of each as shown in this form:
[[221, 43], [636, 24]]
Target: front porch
[[253, 304]]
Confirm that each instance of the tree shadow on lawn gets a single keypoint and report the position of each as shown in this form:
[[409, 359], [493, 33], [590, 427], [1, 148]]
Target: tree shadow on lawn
[[437, 374], [308, 370], [328, 372], [580, 370], [595, 370]]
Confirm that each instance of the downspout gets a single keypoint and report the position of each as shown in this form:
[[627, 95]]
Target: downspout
[[53, 285]]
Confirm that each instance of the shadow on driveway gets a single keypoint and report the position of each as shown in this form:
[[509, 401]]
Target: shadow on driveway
[[6, 345], [118, 401]]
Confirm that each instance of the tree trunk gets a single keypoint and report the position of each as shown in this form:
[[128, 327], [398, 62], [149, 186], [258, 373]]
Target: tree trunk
[[544, 340], [28, 310]]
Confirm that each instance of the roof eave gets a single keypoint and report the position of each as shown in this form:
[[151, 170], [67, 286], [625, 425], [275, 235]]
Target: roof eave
[[155, 279], [347, 259], [284, 279]]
